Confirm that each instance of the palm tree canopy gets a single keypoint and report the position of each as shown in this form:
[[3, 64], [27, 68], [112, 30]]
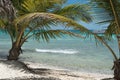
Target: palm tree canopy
[[74, 11], [37, 22], [37, 14], [42, 17], [29, 6]]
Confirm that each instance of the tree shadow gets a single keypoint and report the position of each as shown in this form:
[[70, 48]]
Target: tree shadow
[[33, 78], [23, 67], [108, 79], [39, 71]]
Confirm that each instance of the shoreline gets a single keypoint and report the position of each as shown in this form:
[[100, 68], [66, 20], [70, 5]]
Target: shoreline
[[10, 72]]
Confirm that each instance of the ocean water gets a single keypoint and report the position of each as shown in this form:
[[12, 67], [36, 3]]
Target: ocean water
[[67, 52]]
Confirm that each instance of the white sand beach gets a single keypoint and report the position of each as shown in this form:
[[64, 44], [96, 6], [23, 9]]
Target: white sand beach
[[11, 70]]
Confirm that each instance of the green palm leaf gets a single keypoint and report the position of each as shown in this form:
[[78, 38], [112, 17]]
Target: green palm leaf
[[75, 12], [2, 24], [46, 35], [29, 6], [26, 19]]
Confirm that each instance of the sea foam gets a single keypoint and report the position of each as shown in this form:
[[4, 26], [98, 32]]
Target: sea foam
[[66, 51]]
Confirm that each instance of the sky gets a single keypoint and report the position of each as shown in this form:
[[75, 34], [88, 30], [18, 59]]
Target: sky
[[92, 25], [77, 1]]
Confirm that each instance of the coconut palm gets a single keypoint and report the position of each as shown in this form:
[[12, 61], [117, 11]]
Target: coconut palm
[[111, 7], [34, 18]]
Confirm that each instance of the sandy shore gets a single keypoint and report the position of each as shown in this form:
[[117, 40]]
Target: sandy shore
[[12, 70]]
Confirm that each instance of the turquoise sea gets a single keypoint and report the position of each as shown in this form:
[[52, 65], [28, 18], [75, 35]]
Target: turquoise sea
[[67, 52]]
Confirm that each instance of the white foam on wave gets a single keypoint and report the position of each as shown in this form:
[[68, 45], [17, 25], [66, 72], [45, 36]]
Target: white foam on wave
[[57, 51]]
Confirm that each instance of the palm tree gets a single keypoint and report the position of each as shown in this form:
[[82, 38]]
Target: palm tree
[[111, 7], [34, 18]]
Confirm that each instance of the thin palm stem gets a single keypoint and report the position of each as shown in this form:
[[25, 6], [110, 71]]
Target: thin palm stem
[[102, 41]]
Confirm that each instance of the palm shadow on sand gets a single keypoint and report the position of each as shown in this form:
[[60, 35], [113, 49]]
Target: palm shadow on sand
[[18, 65]]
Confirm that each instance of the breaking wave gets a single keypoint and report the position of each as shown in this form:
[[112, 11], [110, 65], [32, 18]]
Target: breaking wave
[[66, 51]]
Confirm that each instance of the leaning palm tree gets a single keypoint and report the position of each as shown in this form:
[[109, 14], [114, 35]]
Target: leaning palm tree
[[34, 18], [111, 8]]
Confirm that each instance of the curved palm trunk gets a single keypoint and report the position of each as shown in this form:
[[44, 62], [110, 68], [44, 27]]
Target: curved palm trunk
[[14, 52], [117, 63], [9, 12], [117, 70]]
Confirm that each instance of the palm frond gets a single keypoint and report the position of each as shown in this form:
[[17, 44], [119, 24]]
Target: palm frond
[[2, 13], [25, 20], [46, 35], [104, 21], [104, 6], [29, 6], [7, 9], [76, 12], [111, 29], [101, 4], [2, 24], [102, 10], [17, 3]]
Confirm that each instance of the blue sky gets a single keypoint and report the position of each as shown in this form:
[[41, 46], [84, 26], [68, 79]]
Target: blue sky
[[92, 25], [77, 1]]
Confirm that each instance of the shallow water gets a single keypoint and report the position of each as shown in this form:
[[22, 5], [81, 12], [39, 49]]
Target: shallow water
[[71, 53]]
